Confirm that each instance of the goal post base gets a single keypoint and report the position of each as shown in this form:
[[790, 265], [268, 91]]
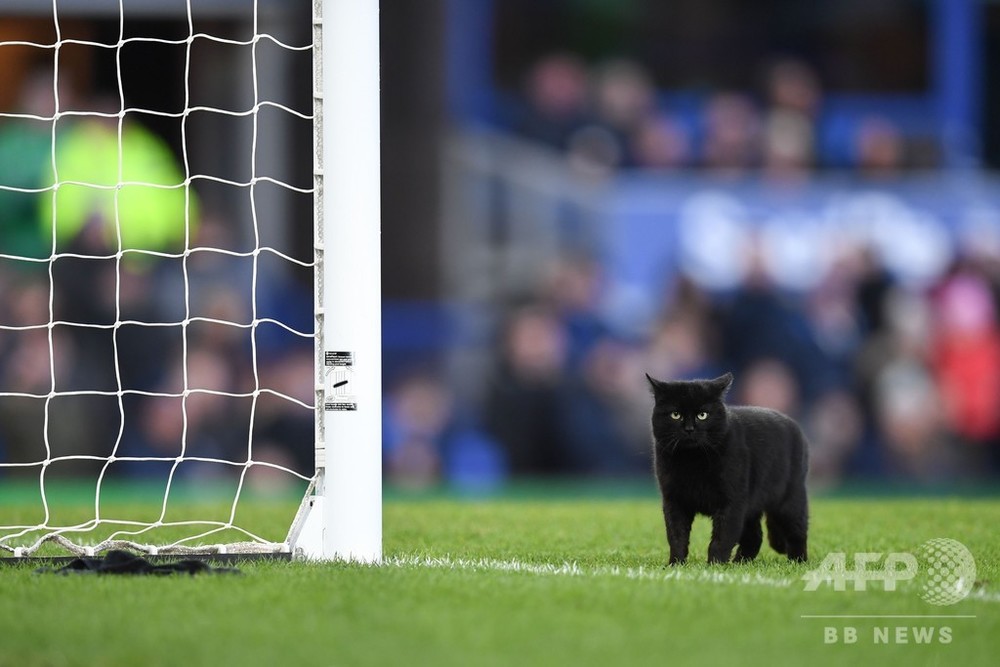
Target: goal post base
[[306, 533], [309, 537]]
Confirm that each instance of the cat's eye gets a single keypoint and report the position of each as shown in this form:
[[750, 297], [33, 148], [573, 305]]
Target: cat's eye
[[675, 416], [702, 416]]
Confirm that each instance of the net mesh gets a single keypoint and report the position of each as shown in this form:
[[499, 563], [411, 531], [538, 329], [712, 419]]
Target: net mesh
[[144, 343]]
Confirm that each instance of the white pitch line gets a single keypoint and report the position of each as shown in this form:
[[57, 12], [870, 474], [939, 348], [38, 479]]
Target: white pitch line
[[575, 570], [639, 573], [985, 596]]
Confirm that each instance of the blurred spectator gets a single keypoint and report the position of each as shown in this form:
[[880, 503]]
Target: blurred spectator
[[152, 212], [788, 146], [27, 368], [879, 149], [25, 158], [874, 289], [521, 409], [574, 288], [832, 309], [425, 440], [793, 98], [659, 142], [769, 383], [683, 344], [732, 134], [624, 99], [911, 421], [793, 86], [204, 423], [902, 341], [604, 414], [284, 433], [556, 105], [678, 348], [835, 428], [757, 321], [966, 358], [594, 152], [623, 95]]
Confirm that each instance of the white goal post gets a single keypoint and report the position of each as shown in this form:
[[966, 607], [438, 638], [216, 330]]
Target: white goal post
[[340, 516], [348, 309]]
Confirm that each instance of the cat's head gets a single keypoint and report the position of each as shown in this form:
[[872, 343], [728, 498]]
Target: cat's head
[[689, 414]]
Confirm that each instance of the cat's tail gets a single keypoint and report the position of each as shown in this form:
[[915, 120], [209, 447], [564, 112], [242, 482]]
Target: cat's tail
[[776, 534], [787, 529]]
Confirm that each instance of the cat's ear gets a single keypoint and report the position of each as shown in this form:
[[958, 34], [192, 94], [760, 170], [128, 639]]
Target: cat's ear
[[654, 385], [722, 383]]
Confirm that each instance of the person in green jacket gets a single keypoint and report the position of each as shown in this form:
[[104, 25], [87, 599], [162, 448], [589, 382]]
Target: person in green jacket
[[25, 161], [120, 186]]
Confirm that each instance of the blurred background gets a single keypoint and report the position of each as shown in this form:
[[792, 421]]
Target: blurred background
[[575, 193]]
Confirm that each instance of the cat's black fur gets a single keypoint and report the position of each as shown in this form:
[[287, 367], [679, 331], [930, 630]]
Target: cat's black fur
[[733, 464]]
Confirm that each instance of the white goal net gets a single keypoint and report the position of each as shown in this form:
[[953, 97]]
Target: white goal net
[[170, 373]]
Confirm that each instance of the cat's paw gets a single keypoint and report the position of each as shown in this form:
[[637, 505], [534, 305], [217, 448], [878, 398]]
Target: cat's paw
[[718, 557]]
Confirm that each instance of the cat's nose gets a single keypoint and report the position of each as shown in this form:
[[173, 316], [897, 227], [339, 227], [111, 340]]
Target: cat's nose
[[689, 428]]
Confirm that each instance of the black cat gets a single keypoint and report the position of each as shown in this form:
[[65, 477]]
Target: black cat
[[733, 464]]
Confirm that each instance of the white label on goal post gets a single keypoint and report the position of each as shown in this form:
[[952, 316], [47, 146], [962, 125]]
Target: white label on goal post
[[338, 382]]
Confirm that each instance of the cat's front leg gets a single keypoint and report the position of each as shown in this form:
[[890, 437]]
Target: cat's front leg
[[727, 526], [678, 523]]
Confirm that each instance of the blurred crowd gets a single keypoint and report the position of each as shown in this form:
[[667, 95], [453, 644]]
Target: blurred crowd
[[124, 345], [888, 382], [611, 115]]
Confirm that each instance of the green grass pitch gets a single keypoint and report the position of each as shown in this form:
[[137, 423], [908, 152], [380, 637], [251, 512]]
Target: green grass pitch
[[524, 582]]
